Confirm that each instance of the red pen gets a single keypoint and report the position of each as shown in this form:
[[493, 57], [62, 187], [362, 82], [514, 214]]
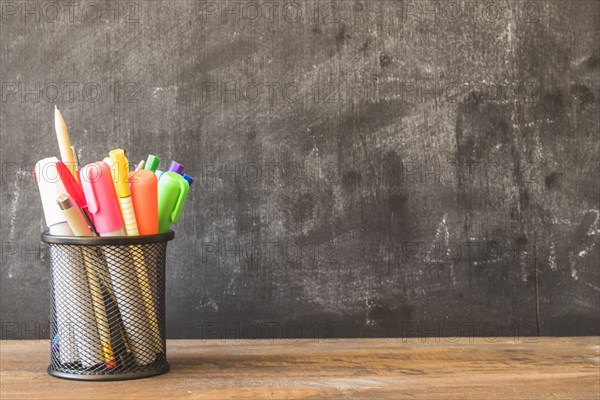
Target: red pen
[[74, 190]]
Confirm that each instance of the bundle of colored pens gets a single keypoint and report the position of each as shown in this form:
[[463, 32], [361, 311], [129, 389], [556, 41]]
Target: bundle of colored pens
[[105, 198], [107, 317]]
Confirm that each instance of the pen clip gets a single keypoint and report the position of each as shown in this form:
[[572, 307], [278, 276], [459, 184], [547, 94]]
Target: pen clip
[[88, 188], [184, 188]]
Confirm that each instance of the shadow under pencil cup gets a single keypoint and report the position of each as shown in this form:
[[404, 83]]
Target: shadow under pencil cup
[[107, 319]]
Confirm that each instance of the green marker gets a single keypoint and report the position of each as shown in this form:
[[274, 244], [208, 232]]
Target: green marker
[[172, 192], [152, 163]]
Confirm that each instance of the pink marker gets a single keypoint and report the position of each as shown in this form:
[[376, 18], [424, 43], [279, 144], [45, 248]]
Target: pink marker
[[101, 198]]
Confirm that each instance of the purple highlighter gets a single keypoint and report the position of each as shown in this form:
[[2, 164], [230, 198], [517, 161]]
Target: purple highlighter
[[176, 167]]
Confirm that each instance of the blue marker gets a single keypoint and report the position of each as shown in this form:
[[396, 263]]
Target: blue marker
[[188, 178], [55, 343]]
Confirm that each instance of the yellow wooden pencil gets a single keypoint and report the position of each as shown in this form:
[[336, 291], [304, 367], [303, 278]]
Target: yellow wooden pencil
[[76, 158], [64, 144]]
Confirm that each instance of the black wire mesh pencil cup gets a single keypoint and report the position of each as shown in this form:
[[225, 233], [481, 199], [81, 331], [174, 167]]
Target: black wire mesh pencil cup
[[107, 317]]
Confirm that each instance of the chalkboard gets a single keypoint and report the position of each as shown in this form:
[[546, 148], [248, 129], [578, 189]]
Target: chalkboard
[[362, 169]]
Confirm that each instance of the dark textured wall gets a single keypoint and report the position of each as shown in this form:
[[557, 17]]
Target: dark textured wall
[[362, 168]]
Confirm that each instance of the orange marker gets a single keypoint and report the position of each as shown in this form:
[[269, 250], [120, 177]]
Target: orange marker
[[144, 194]]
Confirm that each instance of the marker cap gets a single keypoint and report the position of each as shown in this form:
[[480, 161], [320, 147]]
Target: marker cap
[[172, 192], [188, 178], [101, 197], [144, 195], [175, 167], [152, 163], [51, 186], [120, 172]]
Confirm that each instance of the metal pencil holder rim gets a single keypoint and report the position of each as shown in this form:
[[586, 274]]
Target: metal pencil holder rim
[[158, 368], [107, 240]]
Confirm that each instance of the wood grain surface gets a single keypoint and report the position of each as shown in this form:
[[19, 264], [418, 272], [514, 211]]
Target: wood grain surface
[[545, 368]]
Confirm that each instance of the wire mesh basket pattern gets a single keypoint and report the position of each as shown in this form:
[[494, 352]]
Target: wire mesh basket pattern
[[107, 313]]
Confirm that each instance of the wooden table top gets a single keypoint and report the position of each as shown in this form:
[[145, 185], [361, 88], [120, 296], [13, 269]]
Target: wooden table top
[[550, 368]]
